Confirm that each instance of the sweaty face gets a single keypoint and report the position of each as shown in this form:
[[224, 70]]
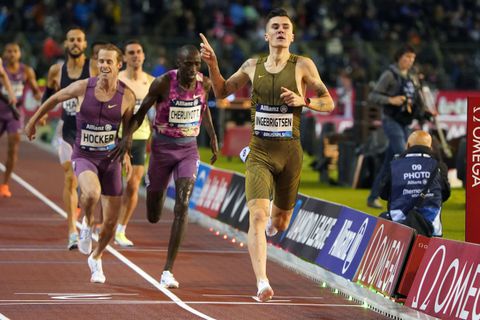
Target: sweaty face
[[279, 32], [188, 65], [75, 44], [12, 54], [108, 64], [134, 56]]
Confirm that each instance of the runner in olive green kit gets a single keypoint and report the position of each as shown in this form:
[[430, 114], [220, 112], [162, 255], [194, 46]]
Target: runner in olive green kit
[[279, 82]]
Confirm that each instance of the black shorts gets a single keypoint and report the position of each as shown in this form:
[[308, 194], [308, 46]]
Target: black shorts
[[139, 148]]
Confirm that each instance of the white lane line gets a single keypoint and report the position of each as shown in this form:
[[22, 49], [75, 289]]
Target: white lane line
[[249, 296], [2, 317], [126, 302], [114, 252], [123, 250]]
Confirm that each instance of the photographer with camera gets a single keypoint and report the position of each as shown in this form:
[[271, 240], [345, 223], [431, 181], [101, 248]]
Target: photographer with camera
[[396, 92]]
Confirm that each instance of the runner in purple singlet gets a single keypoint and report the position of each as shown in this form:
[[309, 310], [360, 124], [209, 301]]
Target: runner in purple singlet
[[181, 101], [103, 103]]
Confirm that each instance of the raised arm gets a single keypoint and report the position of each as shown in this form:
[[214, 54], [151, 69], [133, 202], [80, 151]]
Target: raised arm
[[74, 90], [221, 87], [322, 100]]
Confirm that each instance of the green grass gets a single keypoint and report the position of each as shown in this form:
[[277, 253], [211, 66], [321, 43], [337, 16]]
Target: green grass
[[453, 213]]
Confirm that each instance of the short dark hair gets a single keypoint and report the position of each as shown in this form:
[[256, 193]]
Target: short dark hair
[[71, 28], [402, 50], [98, 42], [112, 47], [278, 12], [186, 49], [131, 41]]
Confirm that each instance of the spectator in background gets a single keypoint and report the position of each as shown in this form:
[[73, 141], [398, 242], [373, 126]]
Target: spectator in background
[[396, 93], [407, 177]]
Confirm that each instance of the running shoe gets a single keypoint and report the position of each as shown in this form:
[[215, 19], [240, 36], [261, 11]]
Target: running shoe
[[96, 270], [168, 281], [73, 241], [85, 241], [270, 229], [265, 292], [5, 191], [122, 240]]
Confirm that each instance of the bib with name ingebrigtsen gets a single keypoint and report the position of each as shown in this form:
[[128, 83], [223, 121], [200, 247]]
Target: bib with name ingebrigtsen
[[273, 121], [181, 115]]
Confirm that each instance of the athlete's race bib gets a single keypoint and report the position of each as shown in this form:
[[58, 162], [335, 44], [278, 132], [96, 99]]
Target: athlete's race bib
[[17, 87], [97, 138], [70, 106], [184, 113], [273, 121]]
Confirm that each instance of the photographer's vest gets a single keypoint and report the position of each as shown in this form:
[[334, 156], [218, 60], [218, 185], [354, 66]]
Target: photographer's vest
[[410, 174], [406, 87]]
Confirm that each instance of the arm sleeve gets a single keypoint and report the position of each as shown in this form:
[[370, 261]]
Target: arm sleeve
[[380, 93], [47, 94]]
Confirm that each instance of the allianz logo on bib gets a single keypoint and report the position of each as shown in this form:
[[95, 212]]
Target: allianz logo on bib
[[347, 242]]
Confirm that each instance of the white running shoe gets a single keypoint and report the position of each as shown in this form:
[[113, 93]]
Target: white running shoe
[[96, 270], [270, 229], [168, 281], [122, 240], [72, 241], [85, 241], [265, 292]]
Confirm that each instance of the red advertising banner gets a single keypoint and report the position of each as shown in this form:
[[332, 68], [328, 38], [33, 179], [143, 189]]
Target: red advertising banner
[[472, 185], [415, 257], [213, 192], [447, 284], [385, 256]]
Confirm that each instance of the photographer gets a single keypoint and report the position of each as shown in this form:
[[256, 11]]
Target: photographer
[[413, 173], [396, 92]]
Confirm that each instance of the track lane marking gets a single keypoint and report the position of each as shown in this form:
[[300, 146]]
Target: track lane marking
[[110, 249]]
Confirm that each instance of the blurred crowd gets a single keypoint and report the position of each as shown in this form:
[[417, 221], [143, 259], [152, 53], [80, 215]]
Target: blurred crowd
[[357, 37]]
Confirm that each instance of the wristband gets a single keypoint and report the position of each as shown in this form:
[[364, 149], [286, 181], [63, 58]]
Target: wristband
[[307, 102]]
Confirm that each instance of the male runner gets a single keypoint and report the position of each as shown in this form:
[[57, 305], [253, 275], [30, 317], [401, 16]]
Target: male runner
[[279, 82], [181, 101], [61, 75], [103, 102], [19, 75], [139, 81]]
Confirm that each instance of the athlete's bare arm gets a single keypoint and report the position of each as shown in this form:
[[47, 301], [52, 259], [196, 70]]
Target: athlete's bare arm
[[32, 82], [53, 77], [221, 87], [322, 101], [74, 90], [157, 92], [6, 83], [128, 105], [208, 123]]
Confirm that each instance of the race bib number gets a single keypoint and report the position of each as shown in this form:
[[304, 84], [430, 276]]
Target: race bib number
[[70, 106], [273, 121], [97, 138], [17, 87], [184, 116]]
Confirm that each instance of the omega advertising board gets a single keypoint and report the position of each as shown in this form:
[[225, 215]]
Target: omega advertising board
[[346, 245], [213, 193], [312, 226], [447, 284], [385, 256], [472, 184]]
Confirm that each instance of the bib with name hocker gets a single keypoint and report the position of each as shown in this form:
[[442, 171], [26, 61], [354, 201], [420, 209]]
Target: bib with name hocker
[[273, 121], [184, 113], [97, 138]]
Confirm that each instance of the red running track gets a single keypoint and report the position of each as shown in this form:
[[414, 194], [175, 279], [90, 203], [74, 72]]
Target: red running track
[[41, 279]]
